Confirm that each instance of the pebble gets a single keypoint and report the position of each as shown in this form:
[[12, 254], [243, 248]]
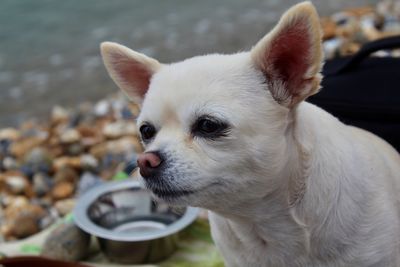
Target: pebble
[[25, 225], [66, 174], [89, 162], [124, 145], [111, 160], [24, 146], [15, 182], [70, 136], [66, 161], [6, 231], [67, 243], [27, 170], [62, 190], [118, 129], [131, 164], [9, 163], [98, 150], [127, 114], [11, 134], [87, 181], [14, 204], [102, 108], [75, 149], [42, 184], [64, 206], [59, 114], [24, 218], [5, 147], [39, 159], [46, 221], [134, 108]]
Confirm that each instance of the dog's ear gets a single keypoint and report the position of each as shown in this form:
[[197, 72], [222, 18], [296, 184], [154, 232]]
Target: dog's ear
[[130, 70], [290, 56]]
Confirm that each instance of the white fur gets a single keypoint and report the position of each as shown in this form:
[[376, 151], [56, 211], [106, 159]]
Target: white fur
[[288, 186]]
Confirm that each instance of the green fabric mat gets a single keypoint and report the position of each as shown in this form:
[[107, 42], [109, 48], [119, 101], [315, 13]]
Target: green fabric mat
[[196, 248]]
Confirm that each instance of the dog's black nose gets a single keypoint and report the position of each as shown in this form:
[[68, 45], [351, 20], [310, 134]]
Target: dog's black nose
[[149, 164]]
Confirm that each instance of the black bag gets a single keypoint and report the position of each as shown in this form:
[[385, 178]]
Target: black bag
[[364, 91]]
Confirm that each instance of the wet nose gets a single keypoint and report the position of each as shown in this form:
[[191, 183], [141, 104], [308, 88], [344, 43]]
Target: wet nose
[[149, 163]]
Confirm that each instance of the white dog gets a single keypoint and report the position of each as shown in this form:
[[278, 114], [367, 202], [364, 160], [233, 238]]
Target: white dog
[[287, 184]]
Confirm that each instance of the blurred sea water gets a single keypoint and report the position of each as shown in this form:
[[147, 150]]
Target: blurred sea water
[[49, 50]]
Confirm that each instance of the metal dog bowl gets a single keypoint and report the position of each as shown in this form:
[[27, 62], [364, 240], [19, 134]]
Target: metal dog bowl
[[130, 226]]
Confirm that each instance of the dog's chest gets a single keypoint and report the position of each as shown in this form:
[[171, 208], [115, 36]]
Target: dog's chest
[[243, 244]]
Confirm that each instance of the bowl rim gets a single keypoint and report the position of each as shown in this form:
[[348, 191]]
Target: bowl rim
[[82, 220]]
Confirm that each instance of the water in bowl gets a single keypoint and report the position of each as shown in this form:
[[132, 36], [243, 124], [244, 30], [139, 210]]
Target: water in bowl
[[140, 227], [144, 224]]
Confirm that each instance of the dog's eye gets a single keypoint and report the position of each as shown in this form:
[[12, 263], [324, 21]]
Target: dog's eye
[[147, 131], [209, 128]]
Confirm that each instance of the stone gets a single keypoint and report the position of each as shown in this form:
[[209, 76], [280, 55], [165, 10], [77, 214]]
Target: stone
[[131, 164], [87, 131], [89, 162], [62, 190], [87, 181], [42, 184], [134, 108], [112, 160], [107, 174], [23, 217], [22, 147], [328, 28], [67, 174], [6, 231], [70, 136], [124, 145], [46, 221], [98, 151], [64, 161], [66, 242], [349, 48], [25, 225], [64, 206], [90, 136], [27, 170], [9, 163], [15, 182], [59, 114], [126, 113], [20, 205], [75, 149], [75, 120], [118, 129], [5, 145], [9, 134], [331, 47], [44, 201], [102, 108], [14, 204], [39, 159]]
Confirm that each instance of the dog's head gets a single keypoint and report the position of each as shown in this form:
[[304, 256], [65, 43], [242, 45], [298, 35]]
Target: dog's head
[[215, 127]]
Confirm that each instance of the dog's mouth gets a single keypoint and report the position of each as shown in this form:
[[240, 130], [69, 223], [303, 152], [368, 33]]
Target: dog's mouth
[[170, 194]]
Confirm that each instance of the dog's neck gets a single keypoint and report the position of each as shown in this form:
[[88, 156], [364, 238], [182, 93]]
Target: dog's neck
[[293, 179], [271, 219]]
